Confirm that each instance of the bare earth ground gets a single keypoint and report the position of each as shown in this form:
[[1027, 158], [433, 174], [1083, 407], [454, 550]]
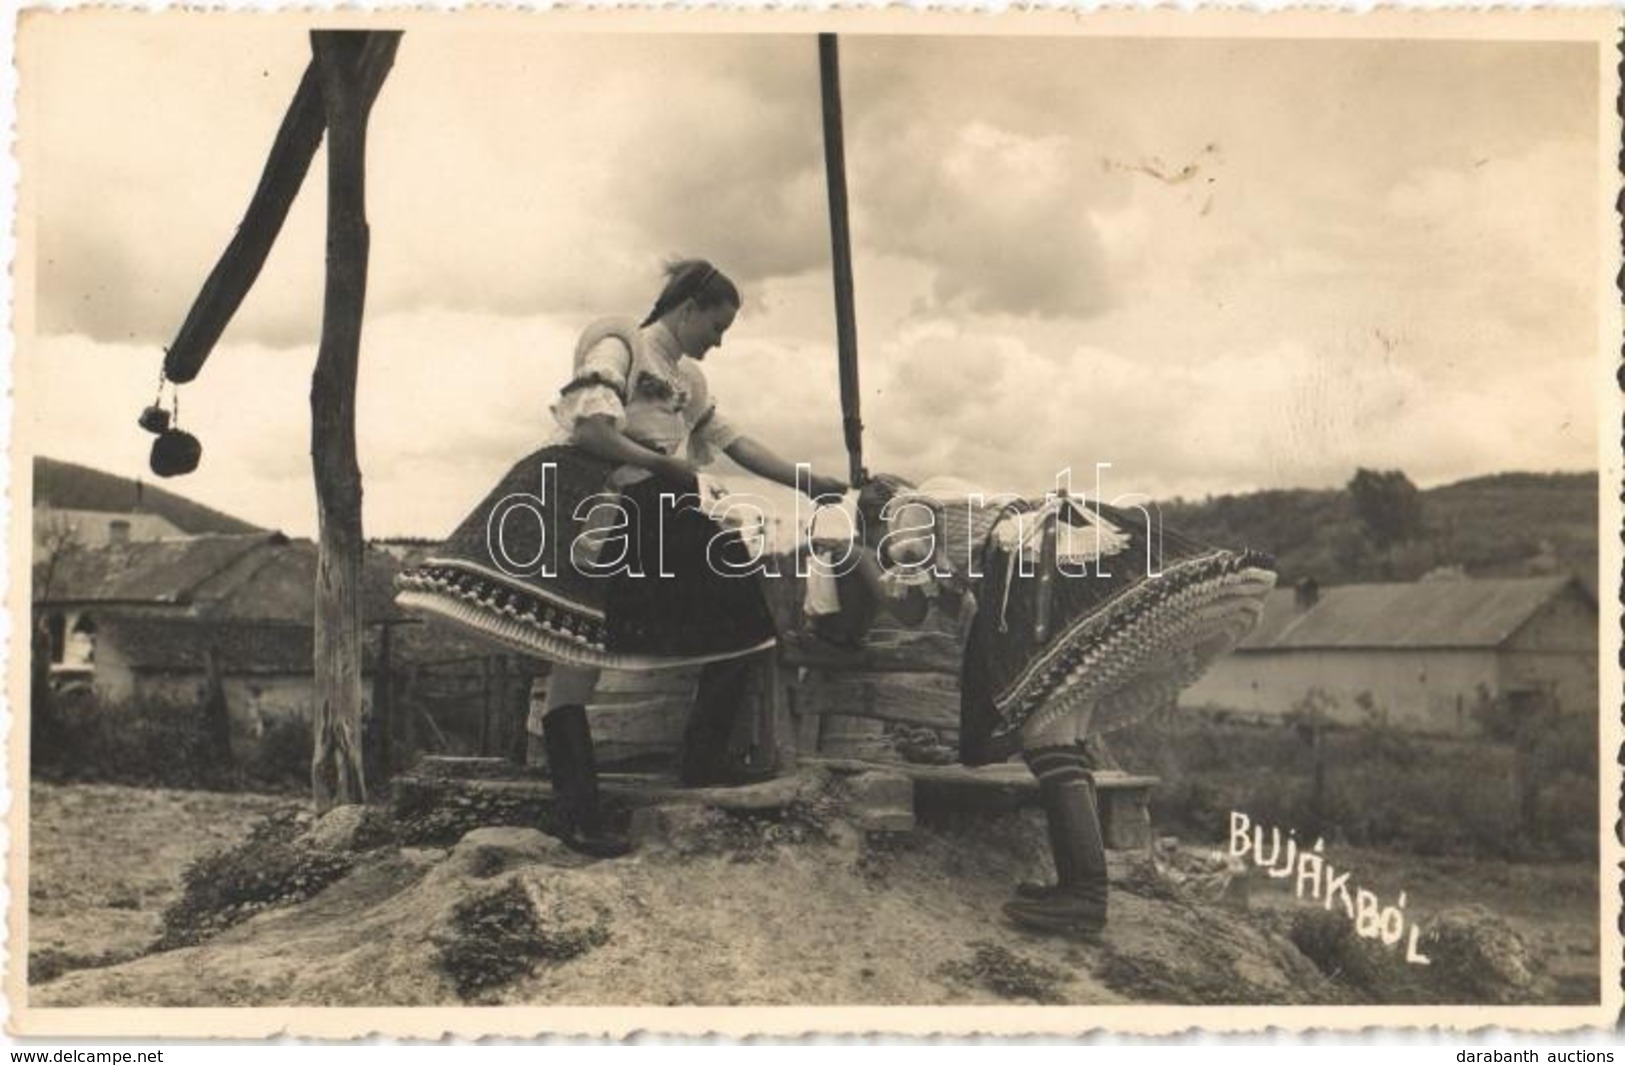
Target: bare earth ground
[[105, 861], [702, 921]]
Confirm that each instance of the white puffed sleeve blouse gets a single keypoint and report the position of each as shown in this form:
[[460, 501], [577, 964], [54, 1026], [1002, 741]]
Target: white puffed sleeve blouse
[[651, 392]]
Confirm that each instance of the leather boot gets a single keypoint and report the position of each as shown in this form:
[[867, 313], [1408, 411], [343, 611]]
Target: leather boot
[[1077, 903], [705, 760], [1085, 759], [578, 818], [1032, 889]]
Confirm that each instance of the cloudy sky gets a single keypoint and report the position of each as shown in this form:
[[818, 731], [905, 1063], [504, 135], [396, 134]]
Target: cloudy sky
[[1217, 264]]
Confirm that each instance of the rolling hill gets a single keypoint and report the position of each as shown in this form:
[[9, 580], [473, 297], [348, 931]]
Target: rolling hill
[[1503, 525], [68, 486]]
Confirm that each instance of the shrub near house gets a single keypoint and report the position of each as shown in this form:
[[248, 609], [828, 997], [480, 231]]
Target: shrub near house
[[1373, 784]]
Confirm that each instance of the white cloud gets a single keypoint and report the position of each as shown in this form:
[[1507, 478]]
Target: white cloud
[[1002, 218], [1216, 266]]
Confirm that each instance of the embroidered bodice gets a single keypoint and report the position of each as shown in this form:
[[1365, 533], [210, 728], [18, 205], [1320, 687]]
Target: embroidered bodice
[[642, 382]]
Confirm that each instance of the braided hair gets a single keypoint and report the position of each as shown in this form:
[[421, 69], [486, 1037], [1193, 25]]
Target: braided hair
[[693, 279]]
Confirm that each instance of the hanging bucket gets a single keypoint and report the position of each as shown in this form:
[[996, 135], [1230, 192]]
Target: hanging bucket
[[175, 452]]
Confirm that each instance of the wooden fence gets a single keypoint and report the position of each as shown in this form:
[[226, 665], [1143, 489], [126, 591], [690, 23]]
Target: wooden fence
[[469, 705]]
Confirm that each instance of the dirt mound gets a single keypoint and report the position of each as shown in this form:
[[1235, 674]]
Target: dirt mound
[[727, 909]]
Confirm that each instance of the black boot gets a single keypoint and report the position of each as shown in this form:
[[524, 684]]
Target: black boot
[[1074, 762], [577, 816], [705, 761], [1076, 905], [1032, 889]]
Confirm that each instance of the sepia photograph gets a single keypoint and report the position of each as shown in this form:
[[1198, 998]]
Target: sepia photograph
[[766, 522]]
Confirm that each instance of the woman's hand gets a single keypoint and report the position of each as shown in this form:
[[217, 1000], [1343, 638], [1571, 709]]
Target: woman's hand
[[599, 436], [760, 460], [827, 486], [674, 468]]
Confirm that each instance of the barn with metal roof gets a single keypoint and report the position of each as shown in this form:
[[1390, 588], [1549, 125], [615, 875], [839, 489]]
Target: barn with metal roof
[[1421, 655]]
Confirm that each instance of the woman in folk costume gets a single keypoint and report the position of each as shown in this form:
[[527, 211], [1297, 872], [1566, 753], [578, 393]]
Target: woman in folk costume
[[1087, 618], [595, 552]]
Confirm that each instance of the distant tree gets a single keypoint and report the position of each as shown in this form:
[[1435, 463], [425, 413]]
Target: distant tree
[[216, 719], [1349, 551], [1489, 527], [45, 733], [1389, 505], [1412, 560], [58, 542]]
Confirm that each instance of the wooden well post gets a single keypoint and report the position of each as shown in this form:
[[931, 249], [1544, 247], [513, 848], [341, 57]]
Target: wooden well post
[[351, 66], [335, 97]]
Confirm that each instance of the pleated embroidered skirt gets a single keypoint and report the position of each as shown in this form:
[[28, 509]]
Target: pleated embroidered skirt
[[557, 563], [1097, 646]]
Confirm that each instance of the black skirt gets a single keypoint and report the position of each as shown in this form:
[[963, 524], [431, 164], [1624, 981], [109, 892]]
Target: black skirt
[[558, 564]]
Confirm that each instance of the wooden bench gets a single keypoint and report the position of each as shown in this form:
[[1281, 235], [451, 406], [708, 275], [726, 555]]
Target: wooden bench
[[885, 795], [1124, 798]]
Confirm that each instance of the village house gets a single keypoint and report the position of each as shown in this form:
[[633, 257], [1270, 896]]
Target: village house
[[142, 597], [97, 528], [150, 620], [1419, 655]]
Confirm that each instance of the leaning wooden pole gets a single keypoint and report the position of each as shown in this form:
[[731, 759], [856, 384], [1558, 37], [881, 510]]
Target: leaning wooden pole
[[352, 65], [239, 265], [285, 168], [846, 329]]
